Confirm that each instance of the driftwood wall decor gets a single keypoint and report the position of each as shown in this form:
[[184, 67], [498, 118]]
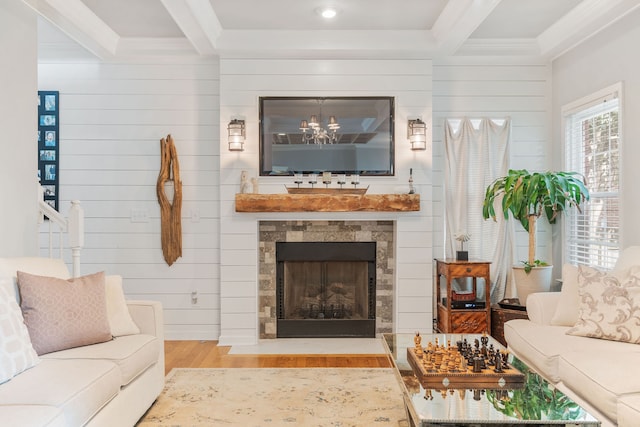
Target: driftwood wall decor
[[170, 204]]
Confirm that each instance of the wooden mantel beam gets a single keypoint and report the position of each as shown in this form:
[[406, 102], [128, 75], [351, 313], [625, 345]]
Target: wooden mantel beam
[[327, 203]]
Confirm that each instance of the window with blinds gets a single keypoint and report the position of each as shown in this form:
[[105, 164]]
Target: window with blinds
[[592, 148]]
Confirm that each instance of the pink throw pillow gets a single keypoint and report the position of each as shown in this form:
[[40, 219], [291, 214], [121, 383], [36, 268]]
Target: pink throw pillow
[[62, 314]]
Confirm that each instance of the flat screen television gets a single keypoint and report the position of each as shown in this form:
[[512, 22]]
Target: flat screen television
[[353, 135]]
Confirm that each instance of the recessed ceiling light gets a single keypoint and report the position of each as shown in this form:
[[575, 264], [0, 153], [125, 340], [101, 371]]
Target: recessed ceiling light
[[328, 12]]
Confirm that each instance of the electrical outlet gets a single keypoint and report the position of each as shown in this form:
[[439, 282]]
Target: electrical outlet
[[194, 297], [139, 215]]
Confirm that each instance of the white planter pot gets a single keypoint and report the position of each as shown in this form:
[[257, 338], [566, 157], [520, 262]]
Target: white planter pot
[[537, 280]]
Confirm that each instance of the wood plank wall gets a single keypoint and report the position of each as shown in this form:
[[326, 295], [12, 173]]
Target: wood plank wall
[[113, 116], [494, 87]]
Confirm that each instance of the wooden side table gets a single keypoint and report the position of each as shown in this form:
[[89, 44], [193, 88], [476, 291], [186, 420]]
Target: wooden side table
[[499, 316], [462, 320]]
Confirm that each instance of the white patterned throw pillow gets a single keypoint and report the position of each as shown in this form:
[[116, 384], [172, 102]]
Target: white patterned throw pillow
[[16, 352], [609, 306]]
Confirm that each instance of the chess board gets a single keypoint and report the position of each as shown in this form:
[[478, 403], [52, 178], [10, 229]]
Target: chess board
[[460, 373]]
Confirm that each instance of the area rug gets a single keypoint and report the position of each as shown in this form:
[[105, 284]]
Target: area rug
[[337, 397]]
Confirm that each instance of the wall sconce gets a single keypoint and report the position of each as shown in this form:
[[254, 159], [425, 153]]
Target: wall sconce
[[236, 135], [417, 134]]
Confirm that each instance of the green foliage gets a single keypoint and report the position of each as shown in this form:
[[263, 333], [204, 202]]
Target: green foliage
[[537, 401], [524, 194], [528, 196], [536, 263]]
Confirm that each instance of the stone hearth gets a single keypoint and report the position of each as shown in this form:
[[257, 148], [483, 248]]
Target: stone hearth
[[381, 232]]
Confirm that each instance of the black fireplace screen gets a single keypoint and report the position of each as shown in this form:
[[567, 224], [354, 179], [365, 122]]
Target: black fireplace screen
[[325, 289]]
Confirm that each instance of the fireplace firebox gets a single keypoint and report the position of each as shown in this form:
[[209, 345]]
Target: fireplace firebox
[[325, 289]]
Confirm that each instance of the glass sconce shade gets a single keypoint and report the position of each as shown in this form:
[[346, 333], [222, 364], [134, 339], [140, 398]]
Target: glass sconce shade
[[236, 130], [417, 134]]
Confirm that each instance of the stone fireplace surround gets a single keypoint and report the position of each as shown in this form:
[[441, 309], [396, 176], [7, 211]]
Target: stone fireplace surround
[[270, 232]]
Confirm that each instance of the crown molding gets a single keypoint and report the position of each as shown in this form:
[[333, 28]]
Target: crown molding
[[132, 47], [326, 44], [500, 47], [581, 23]]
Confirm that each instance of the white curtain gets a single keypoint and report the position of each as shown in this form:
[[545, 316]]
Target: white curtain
[[474, 158]]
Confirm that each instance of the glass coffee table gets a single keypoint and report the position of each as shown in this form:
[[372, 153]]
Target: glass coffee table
[[532, 402]]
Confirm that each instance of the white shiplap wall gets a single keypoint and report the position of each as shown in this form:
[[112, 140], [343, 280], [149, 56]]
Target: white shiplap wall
[[495, 88], [242, 82], [113, 116]]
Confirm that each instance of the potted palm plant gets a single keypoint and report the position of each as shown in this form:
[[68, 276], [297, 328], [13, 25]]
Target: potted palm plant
[[528, 196]]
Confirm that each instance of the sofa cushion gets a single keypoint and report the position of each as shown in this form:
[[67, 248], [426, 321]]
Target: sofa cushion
[[629, 410], [600, 377], [133, 354], [16, 351], [120, 320], [540, 346], [32, 416], [536, 345], [608, 305], [61, 314], [566, 313], [80, 388]]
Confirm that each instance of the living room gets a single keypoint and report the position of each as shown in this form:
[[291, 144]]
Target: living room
[[115, 111]]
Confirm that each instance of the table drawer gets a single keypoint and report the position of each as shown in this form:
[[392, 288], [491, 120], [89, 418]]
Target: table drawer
[[466, 322]]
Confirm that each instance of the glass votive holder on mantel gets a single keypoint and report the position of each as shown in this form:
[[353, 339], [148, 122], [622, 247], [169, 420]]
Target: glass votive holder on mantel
[[297, 179], [342, 179], [313, 179], [355, 179], [326, 178]]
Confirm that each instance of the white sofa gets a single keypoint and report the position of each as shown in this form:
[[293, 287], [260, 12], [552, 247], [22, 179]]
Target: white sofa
[[112, 383], [601, 375]]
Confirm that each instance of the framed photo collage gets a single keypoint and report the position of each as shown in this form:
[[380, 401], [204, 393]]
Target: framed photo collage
[[49, 144]]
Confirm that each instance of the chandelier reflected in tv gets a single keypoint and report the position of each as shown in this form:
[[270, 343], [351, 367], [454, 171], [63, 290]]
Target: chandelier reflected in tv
[[317, 134]]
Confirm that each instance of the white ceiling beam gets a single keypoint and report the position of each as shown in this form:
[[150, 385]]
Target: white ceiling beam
[[582, 22], [76, 20], [198, 21], [458, 21]]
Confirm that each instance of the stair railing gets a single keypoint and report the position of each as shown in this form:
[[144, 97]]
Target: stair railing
[[58, 225]]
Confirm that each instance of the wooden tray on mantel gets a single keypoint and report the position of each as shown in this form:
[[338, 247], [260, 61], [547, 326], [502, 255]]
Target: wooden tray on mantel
[[510, 379], [324, 190]]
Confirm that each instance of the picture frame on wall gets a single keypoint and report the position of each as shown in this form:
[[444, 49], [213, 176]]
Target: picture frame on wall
[[49, 145]]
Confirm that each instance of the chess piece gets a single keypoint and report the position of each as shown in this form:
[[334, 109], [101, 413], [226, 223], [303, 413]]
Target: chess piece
[[477, 365], [417, 340], [498, 362], [484, 339]]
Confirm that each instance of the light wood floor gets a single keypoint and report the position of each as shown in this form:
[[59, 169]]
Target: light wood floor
[[208, 354]]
